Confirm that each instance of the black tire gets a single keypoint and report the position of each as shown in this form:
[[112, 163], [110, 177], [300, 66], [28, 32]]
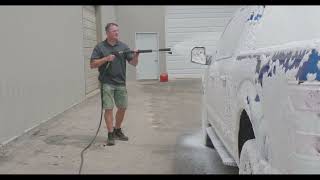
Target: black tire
[[245, 131]]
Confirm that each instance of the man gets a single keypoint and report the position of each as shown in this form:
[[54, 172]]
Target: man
[[112, 75]]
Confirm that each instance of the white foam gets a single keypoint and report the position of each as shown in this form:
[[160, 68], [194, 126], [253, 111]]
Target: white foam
[[193, 140], [311, 76], [197, 40], [307, 44]]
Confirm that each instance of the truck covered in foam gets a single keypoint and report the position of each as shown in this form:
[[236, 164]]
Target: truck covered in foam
[[261, 90]]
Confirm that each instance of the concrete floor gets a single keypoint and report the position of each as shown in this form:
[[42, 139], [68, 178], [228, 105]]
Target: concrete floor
[[163, 125]]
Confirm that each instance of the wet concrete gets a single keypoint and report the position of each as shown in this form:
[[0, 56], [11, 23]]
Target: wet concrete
[[163, 125]]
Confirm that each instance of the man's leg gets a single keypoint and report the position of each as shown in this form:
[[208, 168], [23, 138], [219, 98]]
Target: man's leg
[[121, 101], [107, 101], [119, 117], [118, 134], [108, 117]]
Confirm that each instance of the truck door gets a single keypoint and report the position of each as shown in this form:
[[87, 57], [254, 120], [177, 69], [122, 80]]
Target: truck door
[[221, 74]]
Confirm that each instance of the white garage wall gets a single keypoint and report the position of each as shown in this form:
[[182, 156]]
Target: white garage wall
[[188, 26], [42, 65], [134, 19], [105, 14]]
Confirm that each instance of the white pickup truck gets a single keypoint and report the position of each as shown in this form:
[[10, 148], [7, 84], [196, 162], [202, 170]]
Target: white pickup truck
[[261, 90]]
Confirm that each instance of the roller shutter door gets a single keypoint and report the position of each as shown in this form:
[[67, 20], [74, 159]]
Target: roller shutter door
[[186, 24], [89, 42]]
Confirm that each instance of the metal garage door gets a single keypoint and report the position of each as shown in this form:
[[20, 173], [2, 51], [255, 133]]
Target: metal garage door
[[188, 26], [89, 41]]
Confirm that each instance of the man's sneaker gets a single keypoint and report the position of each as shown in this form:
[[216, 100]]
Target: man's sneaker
[[118, 134], [110, 140]]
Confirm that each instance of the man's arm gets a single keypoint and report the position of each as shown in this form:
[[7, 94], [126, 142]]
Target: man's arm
[[95, 63]]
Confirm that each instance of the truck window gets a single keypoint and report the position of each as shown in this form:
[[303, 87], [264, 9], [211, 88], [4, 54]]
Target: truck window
[[283, 24], [229, 39]]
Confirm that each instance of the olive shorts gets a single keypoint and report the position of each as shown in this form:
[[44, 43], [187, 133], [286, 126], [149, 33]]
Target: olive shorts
[[112, 94]]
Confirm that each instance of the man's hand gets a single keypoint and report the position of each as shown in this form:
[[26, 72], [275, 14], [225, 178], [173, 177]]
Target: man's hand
[[134, 60], [135, 54], [109, 58], [99, 62]]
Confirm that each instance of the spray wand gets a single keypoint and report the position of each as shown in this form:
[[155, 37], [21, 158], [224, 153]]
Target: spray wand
[[143, 51]]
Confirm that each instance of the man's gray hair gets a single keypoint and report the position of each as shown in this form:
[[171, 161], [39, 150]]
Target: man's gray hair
[[109, 25]]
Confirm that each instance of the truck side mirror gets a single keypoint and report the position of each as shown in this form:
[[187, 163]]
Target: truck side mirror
[[198, 56]]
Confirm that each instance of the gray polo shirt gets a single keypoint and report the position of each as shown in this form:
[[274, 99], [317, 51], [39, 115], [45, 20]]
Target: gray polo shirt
[[115, 74]]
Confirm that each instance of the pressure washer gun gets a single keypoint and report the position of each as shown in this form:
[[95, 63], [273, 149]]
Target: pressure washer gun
[[118, 53], [168, 50]]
